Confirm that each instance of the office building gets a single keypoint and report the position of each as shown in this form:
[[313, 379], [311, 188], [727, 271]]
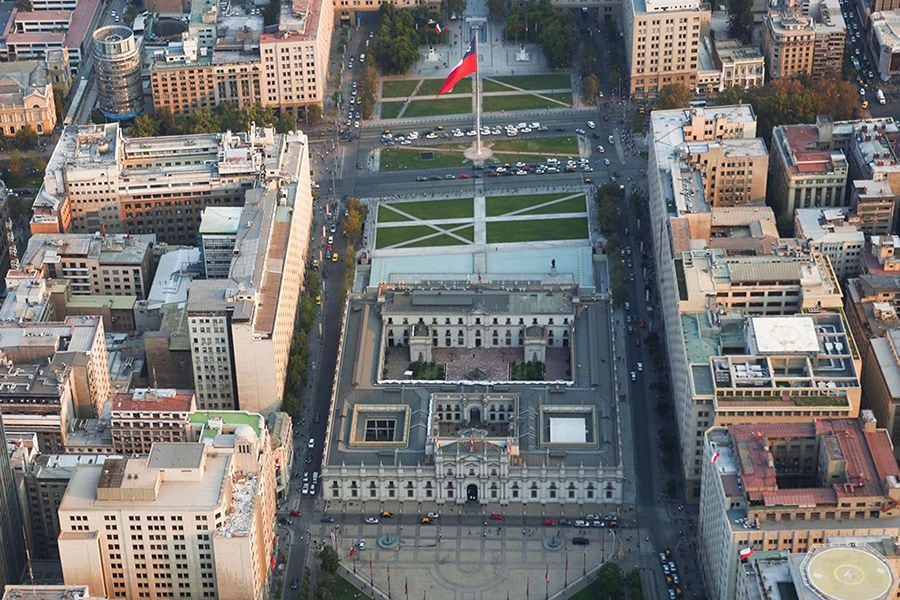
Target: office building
[[241, 327], [112, 264], [804, 39], [45, 480], [12, 534], [218, 234], [725, 63], [828, 232], [168, 349], [873, 203], [97, 178], [36, 34], [286, 69], [530, 443], [790, 487], [208, 506], [741, 230], [26, 98], [885, 38], [781, 575], [145, 416], [117, 61], [662, 44], [806, 172]]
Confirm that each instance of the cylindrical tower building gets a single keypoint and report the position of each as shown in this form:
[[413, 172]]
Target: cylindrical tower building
[[118, 65]]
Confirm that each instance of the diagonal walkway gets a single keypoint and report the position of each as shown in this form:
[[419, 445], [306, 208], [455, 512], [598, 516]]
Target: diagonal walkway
[[519, 211]]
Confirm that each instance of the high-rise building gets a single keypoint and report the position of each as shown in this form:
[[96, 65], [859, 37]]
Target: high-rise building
[[218, 233], [195, 518], [117, 61], [804, 39], [662, 44], [241, 326], [792, 486], [143, 417], [12, 534], [828, 232]]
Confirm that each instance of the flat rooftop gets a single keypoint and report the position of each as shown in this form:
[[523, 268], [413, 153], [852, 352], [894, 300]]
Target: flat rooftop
[[154, 400], [780, 335]]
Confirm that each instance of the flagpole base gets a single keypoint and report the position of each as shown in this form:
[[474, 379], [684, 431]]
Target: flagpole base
[[478, 155]]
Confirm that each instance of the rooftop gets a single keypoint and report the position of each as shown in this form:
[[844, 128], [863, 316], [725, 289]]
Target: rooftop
[[48, 592], [213, 423], [887, 356], [826, 226], [174, 273], [221, 220], [109, 249], [804, 153], [154, 400]]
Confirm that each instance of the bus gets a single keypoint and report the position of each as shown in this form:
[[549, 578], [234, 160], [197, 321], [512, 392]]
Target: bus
[[697, 103]]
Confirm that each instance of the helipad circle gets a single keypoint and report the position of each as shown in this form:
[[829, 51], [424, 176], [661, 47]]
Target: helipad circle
[[849, 574]]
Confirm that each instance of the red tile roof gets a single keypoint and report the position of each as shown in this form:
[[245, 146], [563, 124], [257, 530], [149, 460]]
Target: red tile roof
[[800, 497], [179, 401]]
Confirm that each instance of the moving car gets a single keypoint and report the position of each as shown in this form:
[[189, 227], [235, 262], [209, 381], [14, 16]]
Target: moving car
[[372, 520]]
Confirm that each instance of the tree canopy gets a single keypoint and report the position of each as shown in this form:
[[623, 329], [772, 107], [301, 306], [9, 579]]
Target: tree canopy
[[400, 33], [740, 19], [224, 117], [673, 95], [555, 32]]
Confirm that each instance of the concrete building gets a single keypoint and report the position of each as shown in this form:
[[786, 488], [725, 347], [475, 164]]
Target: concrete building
[[804, 39], [883, 256], [145, 416], [662, 44], [241, 326], [286, 69], [45, 480], [97, 178], [742, 230], [873, 203], [26, 98], [117, 61], [453, 439], [168, 349], [806, 172], [114, 265], [725, 63], [885, 39], [60, 69], [218, 234], [39, 32], [12, 538], [791, 487], [781, 575], [828, 232], [49, 592], [209, 506]]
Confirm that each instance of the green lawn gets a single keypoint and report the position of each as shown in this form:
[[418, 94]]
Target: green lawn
[[499, 232], [500, 205], [400, 88], [444, 239], [430, 87], [391, 236], [398, 159], [444, 106], [524, 102], [386, 215], [341, 589], [567, 144], [549, 81], [430, 210], [391, 110]]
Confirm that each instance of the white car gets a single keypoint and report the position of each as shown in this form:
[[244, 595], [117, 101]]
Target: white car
[[305, 489], [431, 136], [580, 131], [433, 515], [606, 161], [591, 125], [372, 520], [633, 376], [640, 366], [306, 477], [611, 140], [311, 443], [361, 544], [601, 149]]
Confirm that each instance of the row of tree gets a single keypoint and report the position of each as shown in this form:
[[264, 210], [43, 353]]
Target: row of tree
[[538, 21], [224, 117], [368, 88], [298, 360], [400, 33]]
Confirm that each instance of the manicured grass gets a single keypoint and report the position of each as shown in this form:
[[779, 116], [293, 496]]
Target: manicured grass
[[549, 81], [430, 87], [525, 102], [496, 206], [391, 236], [444, 106], [426, 370], [499, 232], [444, 239], [386, 215], [391, 110], [398, 89], [341, 589], [398, 159], [566, 144], [434, 210]]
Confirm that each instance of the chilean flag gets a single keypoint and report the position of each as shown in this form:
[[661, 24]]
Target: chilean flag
[[714, 458], [352, 551], [437, 28], [746, 553], [466, 67]]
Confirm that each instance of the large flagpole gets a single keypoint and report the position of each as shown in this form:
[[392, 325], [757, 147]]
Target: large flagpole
[[477, 91]]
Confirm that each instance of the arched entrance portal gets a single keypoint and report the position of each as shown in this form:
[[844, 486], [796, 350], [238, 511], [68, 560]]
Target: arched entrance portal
[[472, 493], [475, 415]]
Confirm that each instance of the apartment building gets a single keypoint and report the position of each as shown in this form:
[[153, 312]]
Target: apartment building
[[145, 416], [240, 327], [873, 203], [99, 179], [804, 39], [828, 232], [98, 264], [193, 519], [885, 27], [790, 487], [218, 234], [286, 69], [883, 255], [662, 43], [806, 172], [26, 98]]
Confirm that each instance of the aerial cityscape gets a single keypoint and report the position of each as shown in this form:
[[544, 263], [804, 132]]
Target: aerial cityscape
[[450, 299]]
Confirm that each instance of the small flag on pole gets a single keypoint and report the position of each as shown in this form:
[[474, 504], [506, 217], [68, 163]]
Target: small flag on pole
[[437, 28], [547, 575], [352, 551], [714, 458], [466, 66], [746, 553]]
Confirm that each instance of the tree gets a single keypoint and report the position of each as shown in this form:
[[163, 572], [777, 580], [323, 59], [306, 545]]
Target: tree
[[144, 126], [611, 581], [329, 558], [313, 114], [673, 95], [740, 19], [59, 103], [497, 8], [590, 85], [456, 7], [24, 5], [16, 170], [354, 221], [25, 138], [98, 117]]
